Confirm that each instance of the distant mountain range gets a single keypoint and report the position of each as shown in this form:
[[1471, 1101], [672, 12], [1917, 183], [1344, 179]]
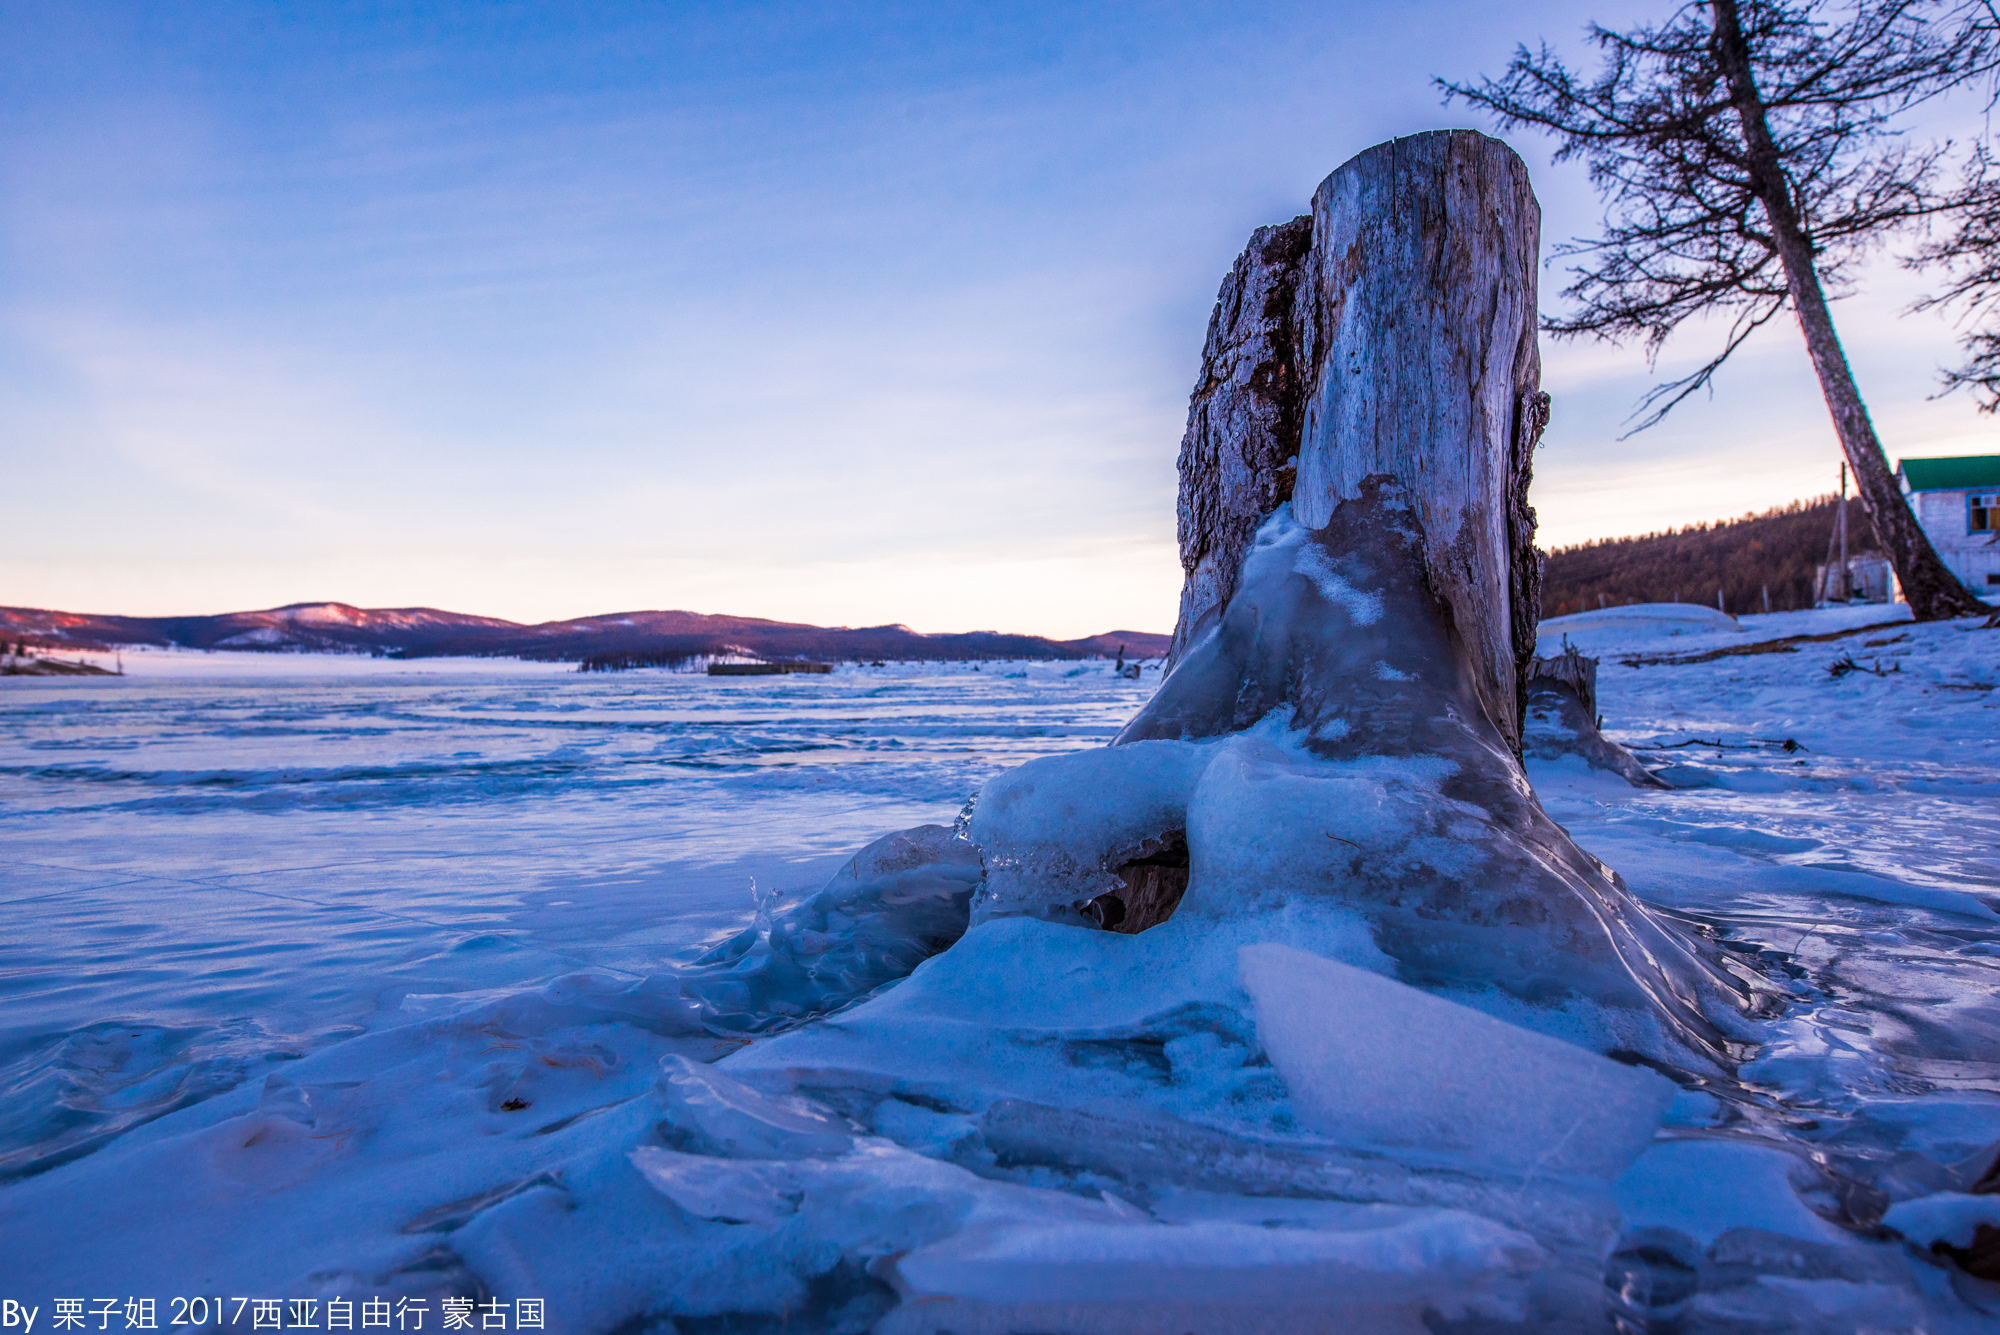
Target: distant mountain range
[[617, 639]]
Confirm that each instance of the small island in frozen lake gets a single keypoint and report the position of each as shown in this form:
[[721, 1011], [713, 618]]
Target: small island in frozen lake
[[1293, 1009]]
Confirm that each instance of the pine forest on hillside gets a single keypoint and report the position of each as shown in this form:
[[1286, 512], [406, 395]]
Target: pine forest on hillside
[[1777, 549]]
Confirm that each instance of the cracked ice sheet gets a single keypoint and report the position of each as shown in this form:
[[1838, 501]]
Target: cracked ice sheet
[[999, 1015], [962, 1032], [1153, 1026]]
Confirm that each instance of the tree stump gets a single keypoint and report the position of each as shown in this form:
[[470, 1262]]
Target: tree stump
[[1343, 717], [1562, 718], [1391, 334]]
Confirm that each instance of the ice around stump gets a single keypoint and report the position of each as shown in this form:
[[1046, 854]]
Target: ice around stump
[[893, 905], [1322, 741], [1343, 720], [1369, 1060]]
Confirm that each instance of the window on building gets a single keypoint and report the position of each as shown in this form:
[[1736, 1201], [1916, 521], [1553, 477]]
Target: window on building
[[1980, 516]]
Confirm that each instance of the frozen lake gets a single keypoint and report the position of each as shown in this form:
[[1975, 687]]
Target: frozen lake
[[221, 867], [221, 860]]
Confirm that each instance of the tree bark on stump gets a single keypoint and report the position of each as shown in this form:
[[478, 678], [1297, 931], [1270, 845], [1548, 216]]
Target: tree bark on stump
[[1342, 720], [1239, 458]]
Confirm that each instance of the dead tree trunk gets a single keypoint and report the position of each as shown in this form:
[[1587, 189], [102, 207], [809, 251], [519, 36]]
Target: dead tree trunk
[[1343, 718], [1327, 365], [1392, 336], [1421, 328]]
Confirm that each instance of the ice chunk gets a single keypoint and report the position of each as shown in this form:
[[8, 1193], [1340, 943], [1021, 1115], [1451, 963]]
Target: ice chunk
[[1369, 1059], [726, 1190], [725, 1116], [1169, 1158], [1704, 1188], [1427, 1255], [1948, 1217], [1164, 1151], [876, 1201]]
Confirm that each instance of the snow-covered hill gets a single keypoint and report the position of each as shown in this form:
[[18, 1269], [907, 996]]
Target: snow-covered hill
[[429, 632]]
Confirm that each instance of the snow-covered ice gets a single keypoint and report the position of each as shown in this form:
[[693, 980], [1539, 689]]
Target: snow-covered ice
[[379, 982]]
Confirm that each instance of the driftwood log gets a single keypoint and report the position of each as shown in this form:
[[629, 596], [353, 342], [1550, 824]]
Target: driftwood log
[[1357, 628]]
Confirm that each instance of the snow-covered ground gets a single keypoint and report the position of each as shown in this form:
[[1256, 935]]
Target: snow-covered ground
[[344, 978]]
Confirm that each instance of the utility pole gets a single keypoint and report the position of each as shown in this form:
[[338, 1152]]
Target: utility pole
[[1846, 584]]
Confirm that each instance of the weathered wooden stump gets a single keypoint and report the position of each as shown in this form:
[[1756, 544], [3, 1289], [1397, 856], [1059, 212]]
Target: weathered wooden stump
[[1343, 720], [1390, 335]]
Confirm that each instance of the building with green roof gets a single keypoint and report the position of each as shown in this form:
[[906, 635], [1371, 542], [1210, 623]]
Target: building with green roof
[[1957, 500]]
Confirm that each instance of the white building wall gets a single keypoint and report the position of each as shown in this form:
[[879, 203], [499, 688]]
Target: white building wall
[[1975, 557]]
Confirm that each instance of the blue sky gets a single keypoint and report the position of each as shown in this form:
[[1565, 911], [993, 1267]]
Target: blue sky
[[845, 314]]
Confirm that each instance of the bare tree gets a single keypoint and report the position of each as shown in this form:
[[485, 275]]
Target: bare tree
[[1970, 255], [1748, 156]]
